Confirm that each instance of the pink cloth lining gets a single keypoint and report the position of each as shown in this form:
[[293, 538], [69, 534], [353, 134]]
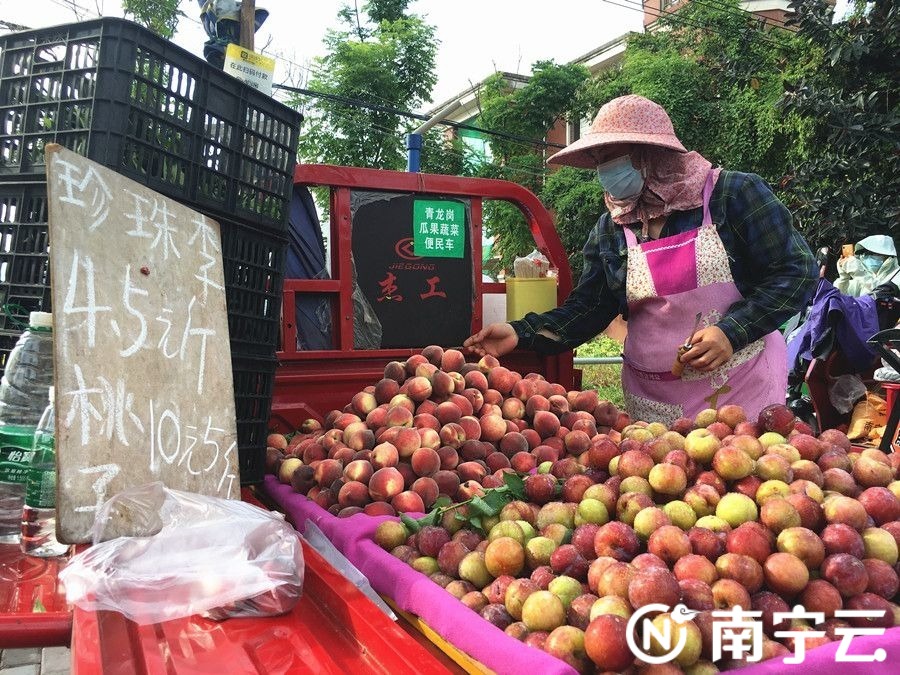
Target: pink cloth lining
[[416, 593], [413, 591]]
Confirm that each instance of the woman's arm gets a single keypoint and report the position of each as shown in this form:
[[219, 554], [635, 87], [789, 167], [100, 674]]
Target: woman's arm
[[589, 308], [780, 266]]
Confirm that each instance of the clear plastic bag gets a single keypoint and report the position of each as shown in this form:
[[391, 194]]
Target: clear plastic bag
[[844, 391], [197, 555]]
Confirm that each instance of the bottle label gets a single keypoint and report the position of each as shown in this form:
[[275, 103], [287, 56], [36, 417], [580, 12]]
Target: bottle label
[[40, 489], [14, 463]]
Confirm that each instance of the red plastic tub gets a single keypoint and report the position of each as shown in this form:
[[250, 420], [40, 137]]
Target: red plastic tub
[[334, 629], [33, 610]]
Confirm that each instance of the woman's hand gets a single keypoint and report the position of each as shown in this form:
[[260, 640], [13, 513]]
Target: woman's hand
[[496, 339], [710, 349]]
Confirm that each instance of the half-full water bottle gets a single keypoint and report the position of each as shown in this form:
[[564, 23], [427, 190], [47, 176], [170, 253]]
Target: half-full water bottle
[[23, 397], [39, 514]]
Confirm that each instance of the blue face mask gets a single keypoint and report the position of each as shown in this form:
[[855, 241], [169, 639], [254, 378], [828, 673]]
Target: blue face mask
[[619, 178], [872, 261]]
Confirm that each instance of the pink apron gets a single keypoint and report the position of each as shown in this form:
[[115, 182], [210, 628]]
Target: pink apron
[[668, 281]]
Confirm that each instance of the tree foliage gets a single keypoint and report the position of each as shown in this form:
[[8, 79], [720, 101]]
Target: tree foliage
[[844, 186], [383, 59], [529, 112], [160, 16]]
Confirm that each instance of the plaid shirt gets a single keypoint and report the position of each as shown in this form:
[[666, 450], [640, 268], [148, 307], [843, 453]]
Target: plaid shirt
[[771, 264]]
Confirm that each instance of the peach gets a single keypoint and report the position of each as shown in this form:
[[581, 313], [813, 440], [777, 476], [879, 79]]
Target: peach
[[540, 488], [693, 566], [358, 470], [821, 596], [384, 484], [778, 418], [768, 604], [881, 504], [384, 455], [379, 509], [669, 543], [452, 359], [653, 585], [501, 379], [543, 611], [804, 544], [615, 579], [743, 569], [545, 423], [512, 443], [407, 502], [845, 573], [841, 538], [606, 644], [728, 593], [399, 415], [846, 510], [493, 428], [696, 594], [785, 574], [469, 489], [707, 543], [353, 493], [750, 539], [327, 471]]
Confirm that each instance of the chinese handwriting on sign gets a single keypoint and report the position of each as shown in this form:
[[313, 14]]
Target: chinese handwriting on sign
[[141, 336], [439, 229]]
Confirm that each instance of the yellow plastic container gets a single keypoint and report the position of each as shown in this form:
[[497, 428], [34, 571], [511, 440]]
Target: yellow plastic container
[[529, 295]]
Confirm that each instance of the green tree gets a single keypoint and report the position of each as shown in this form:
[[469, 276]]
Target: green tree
[[845, 186], [160, 16], [720, 77], [529, 111], [384, 59]]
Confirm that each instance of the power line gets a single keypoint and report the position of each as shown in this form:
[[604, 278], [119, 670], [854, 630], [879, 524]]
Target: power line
[[345, 100]]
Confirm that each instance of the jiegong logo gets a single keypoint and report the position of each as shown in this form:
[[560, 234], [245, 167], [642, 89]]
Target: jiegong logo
[[739, 634]]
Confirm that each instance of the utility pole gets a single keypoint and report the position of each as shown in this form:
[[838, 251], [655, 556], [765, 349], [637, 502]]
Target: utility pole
[[248, 23], [414, 139]]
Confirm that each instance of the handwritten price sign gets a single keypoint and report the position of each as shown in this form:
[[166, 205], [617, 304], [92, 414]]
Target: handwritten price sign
[[143, 366]]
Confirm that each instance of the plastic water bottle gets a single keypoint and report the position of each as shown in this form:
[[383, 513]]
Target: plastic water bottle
[[16, 452], [39, 513], [29, 373], [23, 398]]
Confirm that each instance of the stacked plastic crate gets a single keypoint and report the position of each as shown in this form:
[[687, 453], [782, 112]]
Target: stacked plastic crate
[[132, 101]]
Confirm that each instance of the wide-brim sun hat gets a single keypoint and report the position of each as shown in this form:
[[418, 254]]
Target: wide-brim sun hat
[[627, 119]]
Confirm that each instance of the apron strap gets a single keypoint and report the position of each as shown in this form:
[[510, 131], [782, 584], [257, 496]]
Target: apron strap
[[630, 238], [707, 193]]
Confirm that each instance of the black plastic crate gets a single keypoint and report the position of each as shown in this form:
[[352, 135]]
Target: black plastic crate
[[253, 263], [8, 340], [253, 383], [122, 96], [24, 268]]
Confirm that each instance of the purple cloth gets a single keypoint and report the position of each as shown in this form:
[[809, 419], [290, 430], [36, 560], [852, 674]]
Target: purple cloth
[[453, 621], [854, 321]]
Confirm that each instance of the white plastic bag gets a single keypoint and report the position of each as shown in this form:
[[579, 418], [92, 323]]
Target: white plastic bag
[[201, 555]]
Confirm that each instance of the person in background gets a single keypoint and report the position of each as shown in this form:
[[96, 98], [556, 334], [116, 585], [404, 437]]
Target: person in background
[[704, 263], [873, 263]]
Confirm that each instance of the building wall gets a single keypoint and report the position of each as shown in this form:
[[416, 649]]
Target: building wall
[[774, 11]]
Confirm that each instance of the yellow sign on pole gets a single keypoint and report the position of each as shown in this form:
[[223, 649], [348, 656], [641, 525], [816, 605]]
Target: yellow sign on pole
[[250, 68]]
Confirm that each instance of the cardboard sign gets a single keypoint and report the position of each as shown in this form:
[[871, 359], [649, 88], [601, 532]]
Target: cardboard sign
[[419, 299], [140, 342], [250, 68]]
